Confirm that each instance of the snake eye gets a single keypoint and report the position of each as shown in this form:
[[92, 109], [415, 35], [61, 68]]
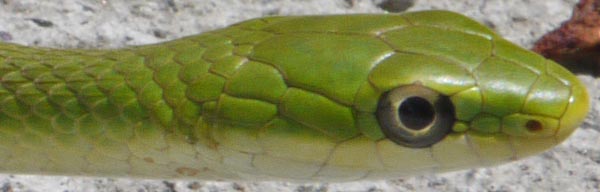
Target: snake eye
[[415, 116]]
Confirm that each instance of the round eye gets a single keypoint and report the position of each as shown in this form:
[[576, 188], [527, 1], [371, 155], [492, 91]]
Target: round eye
[[415, 116]]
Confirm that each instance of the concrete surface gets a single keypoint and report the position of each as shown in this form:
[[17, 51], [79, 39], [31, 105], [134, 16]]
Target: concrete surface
[[572, 166]]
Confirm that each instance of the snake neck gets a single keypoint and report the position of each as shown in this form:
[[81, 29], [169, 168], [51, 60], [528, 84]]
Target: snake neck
[[151, 87]]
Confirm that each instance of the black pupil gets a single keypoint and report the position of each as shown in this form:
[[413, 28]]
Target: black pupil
[[416, 113]]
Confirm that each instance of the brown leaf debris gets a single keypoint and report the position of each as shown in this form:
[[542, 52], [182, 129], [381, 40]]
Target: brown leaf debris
[[576, 44]]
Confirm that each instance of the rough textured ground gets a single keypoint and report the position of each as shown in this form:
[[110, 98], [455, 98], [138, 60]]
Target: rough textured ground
[[572, 166]]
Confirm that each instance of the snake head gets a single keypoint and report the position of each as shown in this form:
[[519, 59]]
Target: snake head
[[378, 96]]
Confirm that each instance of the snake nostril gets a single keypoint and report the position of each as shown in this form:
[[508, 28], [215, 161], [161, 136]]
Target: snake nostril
[[534, 125]]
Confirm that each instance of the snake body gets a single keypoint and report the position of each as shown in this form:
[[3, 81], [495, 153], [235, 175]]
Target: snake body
[[287, 98]]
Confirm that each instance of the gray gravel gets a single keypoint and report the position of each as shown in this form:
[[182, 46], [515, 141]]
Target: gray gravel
[[572, 166]]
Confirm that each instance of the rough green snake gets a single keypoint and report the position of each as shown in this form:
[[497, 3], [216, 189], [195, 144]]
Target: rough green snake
[[339, 97]]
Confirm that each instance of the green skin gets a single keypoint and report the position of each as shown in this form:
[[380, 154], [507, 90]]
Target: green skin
[[284, 98]]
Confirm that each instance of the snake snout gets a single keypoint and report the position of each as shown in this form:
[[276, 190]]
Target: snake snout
[[554, 108], [576, 111]]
